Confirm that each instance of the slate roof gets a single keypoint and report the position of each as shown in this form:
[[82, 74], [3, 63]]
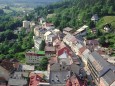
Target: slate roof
[[108, 78], [99, 63]]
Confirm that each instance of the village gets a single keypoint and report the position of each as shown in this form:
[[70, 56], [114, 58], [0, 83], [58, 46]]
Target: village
[[72, 59]]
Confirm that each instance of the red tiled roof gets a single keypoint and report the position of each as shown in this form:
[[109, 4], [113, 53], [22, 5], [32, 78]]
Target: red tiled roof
[[61, 51], [35, 79], [73, 81], [82, 49]]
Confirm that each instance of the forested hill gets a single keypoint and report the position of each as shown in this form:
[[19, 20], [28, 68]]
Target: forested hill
[[74, 13]]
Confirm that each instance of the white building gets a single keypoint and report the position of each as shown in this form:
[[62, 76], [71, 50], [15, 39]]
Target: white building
[[37, 42], [82, 31], [47, 34], [95, 17], [32, 24], [26, 24]]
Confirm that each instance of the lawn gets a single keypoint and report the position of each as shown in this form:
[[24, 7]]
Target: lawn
[[105, 20]]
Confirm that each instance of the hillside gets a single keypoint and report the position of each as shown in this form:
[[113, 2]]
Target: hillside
[[75, 13], [107, 20]]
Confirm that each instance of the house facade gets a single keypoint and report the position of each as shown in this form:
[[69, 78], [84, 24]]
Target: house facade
[[33, 58], [37, 42], [98, 67]]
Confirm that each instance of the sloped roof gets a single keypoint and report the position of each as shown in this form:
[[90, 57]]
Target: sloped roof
[[82, 49], [80, 30], [70, 38], [64, 55], [108, 78], [65, 49], [53, 60], [47, 33], [49, 48], [62, 45], [94, 17], [99, 63], [94, 42], [56, 42], [68, 29], [56, 30]]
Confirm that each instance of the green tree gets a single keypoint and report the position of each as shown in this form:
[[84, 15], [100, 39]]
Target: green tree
[[43, 62], [42, 45], [102, 40], [110, 11]]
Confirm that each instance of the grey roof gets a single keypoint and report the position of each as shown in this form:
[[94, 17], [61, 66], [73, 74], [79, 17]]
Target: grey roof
[[59, 77], [99, 63], [108, 78], [43, 30]]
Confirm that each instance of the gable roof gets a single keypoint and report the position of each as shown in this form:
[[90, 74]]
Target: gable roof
[[47, 33], [65, 49], [82, 49], [71, 38], [56, 42], [99, 63], [108, 78], [63, 55], [94, 17], [68, 29], [80, 30]]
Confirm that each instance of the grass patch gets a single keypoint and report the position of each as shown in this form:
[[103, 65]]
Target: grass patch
[[105, 20]]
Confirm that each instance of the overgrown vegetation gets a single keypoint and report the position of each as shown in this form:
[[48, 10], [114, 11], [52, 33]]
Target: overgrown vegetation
[[13, 45]]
